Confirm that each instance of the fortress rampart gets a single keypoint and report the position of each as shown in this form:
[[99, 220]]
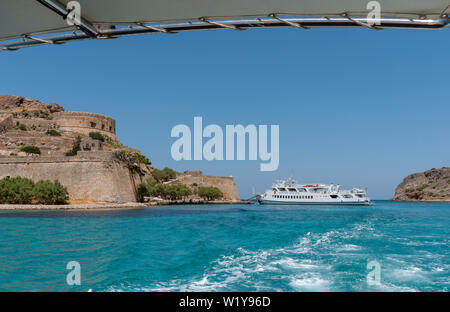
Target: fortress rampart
[[225, 184], [95, 177], [85, 122]]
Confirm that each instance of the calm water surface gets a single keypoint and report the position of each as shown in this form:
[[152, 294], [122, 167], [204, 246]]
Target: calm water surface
[[229, 248]]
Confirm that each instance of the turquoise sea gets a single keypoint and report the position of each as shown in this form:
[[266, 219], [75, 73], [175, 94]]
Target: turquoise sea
[[229, 248]]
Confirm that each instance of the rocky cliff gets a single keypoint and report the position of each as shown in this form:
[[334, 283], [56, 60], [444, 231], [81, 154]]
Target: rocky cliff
[[431, 185]]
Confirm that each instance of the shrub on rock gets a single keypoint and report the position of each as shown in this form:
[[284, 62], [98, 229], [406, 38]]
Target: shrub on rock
[[31, 149]]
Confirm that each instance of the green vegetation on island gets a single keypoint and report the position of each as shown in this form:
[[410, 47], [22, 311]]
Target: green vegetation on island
[[31, 149], [20, 190], [52, 132], [165, 191], [164, 175], [209, 192], [152, 187], [76, 147], [97, 136]]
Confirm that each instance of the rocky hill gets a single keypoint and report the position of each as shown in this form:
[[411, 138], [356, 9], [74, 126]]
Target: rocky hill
[[431, 185]]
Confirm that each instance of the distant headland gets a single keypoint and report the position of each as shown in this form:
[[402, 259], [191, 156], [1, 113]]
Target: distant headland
[[43, 142], [429, 186]]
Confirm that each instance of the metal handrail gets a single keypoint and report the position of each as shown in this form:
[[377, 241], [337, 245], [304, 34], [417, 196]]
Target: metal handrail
[[273, 21]]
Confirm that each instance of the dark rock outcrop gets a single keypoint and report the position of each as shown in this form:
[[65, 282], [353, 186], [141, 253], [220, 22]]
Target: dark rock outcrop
[[54, 108], [431, 185]]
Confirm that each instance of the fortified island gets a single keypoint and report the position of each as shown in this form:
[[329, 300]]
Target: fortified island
[[429, 186], [42, 141]]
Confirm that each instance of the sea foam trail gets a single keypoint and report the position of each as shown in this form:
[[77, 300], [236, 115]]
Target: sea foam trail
[[298, 267]]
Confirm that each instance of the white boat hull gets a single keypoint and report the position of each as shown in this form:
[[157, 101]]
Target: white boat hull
[[309, 203]]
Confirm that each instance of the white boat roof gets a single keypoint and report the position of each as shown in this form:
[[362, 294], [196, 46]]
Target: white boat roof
[[24, 18]]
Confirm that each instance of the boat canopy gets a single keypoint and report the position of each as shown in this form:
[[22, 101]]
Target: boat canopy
[[37, 22]]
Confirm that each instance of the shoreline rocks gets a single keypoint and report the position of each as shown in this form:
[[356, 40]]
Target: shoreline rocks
[[112, 206]]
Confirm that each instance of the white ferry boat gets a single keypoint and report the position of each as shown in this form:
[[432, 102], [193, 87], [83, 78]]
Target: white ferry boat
[[289, 192]]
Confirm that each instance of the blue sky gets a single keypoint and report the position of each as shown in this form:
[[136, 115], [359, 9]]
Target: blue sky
[[355, 106]]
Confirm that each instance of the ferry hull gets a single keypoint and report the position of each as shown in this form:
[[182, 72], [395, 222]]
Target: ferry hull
[[315, 203]]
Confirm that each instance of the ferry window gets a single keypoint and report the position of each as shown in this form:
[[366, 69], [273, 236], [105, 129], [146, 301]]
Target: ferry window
[[301, 190], [282, 189], [292, 190]]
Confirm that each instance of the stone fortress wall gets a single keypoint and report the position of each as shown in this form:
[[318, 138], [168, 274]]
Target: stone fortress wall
[[89, 176], [225, 184], [84, 123]]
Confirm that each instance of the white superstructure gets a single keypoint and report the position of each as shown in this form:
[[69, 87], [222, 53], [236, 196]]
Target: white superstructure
[[288, 192]]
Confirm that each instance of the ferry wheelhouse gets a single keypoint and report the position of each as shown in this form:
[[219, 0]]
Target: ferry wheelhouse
[[289, 192]]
